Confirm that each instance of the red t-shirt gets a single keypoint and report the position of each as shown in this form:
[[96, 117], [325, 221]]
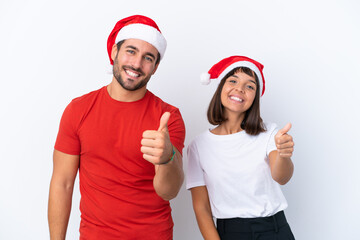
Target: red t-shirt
[[118, 200]]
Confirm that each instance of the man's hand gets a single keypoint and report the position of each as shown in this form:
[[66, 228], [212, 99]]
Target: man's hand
[[156, 145], [284, 142]]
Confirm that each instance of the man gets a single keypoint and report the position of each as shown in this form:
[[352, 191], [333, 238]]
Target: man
[[127, 144]]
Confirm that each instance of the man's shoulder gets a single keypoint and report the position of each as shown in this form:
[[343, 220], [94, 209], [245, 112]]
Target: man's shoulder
[[82, 104], [166, 107], [86, 98]]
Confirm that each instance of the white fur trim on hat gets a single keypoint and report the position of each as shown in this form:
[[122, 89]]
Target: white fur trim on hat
[[143, 32], [243, 64]]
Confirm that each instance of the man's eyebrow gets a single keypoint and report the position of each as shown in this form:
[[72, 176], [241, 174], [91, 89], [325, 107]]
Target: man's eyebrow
[[151, 55], [132, 47]]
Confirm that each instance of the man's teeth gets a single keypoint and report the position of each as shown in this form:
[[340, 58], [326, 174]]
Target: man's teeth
[[236, 99], [132, 74]]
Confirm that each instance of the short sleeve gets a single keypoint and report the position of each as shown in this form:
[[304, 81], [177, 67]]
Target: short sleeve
[[67, 140], [176, 129], [194, 173], [271, 146]]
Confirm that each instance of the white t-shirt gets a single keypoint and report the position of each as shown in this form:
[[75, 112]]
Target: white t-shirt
[[235, 170]]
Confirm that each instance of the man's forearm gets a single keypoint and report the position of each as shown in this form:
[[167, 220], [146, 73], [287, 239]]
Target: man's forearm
[[169, 178], [60, 198]]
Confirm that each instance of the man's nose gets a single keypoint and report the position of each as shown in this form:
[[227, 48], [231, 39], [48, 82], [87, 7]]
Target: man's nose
[[136, 61]]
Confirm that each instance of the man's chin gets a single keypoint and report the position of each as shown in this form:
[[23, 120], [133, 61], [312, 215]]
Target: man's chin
[[131, 84], [132, 87]]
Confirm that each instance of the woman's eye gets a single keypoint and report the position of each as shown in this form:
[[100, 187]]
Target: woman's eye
[[251, 87], [232, 81]]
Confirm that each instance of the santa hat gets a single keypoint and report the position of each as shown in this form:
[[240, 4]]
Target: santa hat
[[220, 69], [137, 27]]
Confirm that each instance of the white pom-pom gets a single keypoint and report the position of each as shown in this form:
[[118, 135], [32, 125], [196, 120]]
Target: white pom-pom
[[205, 78]]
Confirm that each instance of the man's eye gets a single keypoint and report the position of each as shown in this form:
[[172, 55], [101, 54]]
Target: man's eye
[[148, 59], [131, 51]]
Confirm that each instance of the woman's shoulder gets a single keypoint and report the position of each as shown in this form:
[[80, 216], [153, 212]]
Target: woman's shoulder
[[270, 129], [201, 137], [270, 126]]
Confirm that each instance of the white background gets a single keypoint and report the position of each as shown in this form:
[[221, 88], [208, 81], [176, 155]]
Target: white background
[[53, 51]]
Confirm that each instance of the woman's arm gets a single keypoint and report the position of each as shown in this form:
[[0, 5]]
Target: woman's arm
[[202, 209], [281, 166]]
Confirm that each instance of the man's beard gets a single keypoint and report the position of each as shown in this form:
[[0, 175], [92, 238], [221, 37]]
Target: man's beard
[[117, 75]]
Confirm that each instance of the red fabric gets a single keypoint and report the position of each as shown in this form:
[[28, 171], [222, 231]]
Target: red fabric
[[118, 200], [135, 19], [216, 70]]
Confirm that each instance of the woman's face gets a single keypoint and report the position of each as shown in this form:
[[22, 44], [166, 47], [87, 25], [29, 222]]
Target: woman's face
[[238, 93]]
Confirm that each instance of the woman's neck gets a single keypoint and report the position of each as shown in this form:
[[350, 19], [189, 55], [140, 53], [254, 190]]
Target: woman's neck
[[230, 126]]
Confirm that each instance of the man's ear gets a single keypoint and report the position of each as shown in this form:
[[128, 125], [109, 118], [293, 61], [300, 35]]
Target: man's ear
[[114, 51], [156, 66]]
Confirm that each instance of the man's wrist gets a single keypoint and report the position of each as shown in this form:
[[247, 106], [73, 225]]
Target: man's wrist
[[172, 157]]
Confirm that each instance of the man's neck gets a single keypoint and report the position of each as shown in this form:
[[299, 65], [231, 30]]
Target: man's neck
[[117, 92]]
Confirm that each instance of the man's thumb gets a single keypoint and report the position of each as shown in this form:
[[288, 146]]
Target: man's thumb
[[163, 121]]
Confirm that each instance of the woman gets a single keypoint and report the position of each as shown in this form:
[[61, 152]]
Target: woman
[[235, 169]]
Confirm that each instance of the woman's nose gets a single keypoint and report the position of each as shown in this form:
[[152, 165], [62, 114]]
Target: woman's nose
[[240, 87]]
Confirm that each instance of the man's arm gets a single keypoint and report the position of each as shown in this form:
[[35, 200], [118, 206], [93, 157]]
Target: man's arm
[[158, 149], [60, 195], [169, 177]]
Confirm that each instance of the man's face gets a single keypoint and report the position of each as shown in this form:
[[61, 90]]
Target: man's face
[[134, 64]]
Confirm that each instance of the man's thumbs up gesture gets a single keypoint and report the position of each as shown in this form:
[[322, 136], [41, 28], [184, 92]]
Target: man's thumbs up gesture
[[284, 142], [156, 144]]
